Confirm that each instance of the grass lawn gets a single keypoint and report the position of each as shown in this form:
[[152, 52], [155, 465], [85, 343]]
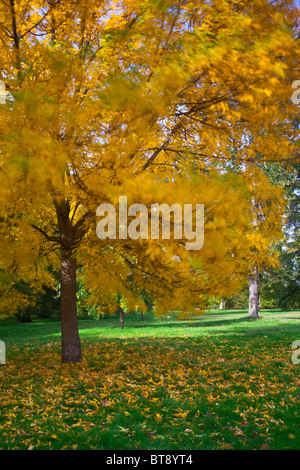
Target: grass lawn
[[223, 381]]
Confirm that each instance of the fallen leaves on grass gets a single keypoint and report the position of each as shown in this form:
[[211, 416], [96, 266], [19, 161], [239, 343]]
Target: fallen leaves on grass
[[126, 398]]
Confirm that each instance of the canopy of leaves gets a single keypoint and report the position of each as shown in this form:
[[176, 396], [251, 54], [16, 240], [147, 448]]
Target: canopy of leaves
[[153, 100]]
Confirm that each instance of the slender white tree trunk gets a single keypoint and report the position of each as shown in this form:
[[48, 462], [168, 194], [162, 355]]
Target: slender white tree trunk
[[253, 294]]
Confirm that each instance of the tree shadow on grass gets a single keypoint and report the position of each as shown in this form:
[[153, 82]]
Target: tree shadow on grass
[[260, 336], [242, 326], [155, 324], [186, 324]]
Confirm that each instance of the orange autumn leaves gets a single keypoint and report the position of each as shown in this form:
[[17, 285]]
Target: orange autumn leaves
[[151, 392]]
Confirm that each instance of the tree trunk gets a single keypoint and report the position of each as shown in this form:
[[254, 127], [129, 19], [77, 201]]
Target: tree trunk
[[221, 307], [121, 318], [71, 348], [24, 316], [253, 294]]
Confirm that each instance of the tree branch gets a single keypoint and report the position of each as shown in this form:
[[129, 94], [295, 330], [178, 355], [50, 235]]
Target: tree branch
[[48, 237], [79, 228]]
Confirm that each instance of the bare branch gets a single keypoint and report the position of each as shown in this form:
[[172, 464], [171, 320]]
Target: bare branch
[[48, 237]]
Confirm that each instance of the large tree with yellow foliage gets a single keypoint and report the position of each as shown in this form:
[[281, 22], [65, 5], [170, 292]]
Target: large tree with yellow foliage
[[152, 100]]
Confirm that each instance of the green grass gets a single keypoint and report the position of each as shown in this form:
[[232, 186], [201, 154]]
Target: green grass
[[222, 381]]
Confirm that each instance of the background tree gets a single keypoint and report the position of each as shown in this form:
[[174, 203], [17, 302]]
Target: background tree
[[280, 285]]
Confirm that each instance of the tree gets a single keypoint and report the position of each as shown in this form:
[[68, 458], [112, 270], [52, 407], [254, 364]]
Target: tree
[[280, 286], [144, 99], [254, 293]]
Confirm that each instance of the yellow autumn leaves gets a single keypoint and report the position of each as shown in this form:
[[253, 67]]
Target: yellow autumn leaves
[[154, 391], [190, 96]]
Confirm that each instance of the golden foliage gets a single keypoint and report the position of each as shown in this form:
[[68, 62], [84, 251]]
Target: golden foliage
[[155, 100]]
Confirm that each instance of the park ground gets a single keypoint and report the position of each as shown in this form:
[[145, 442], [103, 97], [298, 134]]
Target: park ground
[[222, 381]]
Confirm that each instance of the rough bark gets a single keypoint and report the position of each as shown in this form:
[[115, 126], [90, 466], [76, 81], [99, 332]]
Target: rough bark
[[70, 341], [71, 348], [253, 294]]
